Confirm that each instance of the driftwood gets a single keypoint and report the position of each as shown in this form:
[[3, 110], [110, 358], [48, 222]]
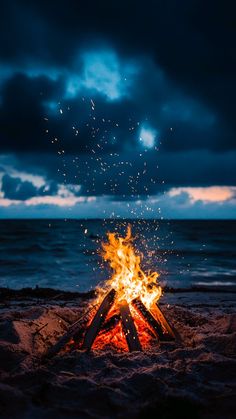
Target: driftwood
[[98, 320], [129, 328], [73, 332]]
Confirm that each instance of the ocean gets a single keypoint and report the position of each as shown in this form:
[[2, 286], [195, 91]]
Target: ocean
[[66, 254]]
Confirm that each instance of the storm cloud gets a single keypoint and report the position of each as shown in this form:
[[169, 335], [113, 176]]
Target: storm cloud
[[125, 100]]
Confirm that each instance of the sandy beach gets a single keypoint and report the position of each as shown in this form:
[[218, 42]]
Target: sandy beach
[[117, 209], [192, 378]]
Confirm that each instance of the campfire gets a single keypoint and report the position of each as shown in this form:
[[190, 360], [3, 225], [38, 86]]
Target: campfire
[[125, 314]]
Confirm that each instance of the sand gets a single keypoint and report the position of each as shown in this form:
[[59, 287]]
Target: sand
[[195, 378]]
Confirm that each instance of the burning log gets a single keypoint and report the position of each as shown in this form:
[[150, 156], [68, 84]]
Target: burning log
[[168, 331], [156, 323], [148, 317], [75, 330], [98, 320], [110, 323], [129, 328]]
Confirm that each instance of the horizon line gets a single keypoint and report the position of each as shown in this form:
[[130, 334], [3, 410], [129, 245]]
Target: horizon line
[[112, 219]]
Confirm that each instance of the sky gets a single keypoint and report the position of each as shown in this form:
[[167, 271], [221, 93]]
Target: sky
[[117, 109]]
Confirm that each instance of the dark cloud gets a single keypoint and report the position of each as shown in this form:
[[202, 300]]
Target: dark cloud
[[33, 112], [16, 189], [192, 42], [130, 177], [21, 113], [177, 60], [32, 115]]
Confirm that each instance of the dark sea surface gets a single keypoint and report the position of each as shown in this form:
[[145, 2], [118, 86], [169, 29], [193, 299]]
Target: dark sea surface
[[66, 254]]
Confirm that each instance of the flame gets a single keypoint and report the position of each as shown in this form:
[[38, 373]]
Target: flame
[[130, 282], [128, 279]]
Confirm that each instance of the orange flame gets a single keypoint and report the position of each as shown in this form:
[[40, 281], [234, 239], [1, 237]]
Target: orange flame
[[130, 282], [128, 279]]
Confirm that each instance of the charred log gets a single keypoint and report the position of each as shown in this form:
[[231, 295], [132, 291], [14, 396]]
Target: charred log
[[75, 331], [98, 320], [129, 328], [168, 332], [148, 317]]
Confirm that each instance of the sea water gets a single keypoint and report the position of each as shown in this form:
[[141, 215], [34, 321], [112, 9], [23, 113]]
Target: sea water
[[66, 254]]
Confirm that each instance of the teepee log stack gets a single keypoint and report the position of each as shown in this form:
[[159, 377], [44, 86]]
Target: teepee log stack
[[154, 318], [85, 330]]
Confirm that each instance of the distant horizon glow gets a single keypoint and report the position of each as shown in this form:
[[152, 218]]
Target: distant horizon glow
[[177, 203]]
